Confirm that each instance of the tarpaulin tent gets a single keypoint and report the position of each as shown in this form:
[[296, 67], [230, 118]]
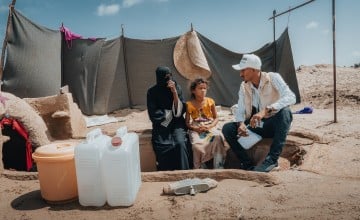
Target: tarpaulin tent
[[33, 63], [106, 75]]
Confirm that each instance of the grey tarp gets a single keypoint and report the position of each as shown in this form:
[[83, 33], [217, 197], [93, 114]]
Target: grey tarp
[[225, 81], [112, 89], [33, 62], [142, 58], [106, 75], [95, 74], [80, 69]]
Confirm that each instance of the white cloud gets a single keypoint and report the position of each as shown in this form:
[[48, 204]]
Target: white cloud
[[312, 25], [130, 3], [356, 53], [104, 10]]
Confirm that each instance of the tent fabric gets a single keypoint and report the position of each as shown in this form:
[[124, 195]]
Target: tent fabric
[[112, 89], [33, 62], [107, 75], [95, 74], [142, 59], [285, 63], [80, 69]]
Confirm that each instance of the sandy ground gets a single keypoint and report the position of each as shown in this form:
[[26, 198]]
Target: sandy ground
[[325, 186]]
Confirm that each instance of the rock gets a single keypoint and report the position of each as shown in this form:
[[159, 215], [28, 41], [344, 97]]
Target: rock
[[61, 115]]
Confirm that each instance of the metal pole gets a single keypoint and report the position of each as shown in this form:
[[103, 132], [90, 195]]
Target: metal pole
[[334, 57], [274, 42], [292, 9], [276, 15]]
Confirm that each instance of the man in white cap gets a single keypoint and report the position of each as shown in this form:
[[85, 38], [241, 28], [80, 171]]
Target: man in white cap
[[263, 107]]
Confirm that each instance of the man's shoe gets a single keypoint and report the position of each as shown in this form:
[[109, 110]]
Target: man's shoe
[[267, 165]]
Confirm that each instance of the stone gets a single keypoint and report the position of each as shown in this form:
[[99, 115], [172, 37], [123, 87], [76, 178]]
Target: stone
[[61, 115]]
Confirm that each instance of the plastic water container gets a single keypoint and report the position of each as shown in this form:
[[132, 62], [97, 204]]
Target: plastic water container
[[88, 156], [121, 169]]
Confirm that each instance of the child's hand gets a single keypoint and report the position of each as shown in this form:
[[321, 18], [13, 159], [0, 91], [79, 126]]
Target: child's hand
[[205, 128], [197, 129]]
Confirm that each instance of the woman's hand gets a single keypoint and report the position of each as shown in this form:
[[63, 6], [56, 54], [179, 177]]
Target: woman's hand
[[171, 85]]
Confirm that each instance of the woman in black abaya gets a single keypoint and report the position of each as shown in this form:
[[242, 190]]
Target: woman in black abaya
[[166, 108]]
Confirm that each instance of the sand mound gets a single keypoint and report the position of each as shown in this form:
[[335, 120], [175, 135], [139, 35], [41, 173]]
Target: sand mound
[[316, 84]]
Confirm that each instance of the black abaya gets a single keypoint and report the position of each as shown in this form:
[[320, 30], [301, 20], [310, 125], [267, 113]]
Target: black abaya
[[170, 141]]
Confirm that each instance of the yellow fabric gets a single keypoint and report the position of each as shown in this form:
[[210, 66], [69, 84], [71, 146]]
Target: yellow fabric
[[206, 109]]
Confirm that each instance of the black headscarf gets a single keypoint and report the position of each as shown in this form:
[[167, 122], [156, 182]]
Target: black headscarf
[[160, 97], [163, 75]]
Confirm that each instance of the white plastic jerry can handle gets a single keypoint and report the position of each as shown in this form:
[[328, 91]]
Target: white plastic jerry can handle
[[93, 134], [122, 131]]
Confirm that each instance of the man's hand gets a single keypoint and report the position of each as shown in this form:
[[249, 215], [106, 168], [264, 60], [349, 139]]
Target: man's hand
[[242, 130], [256, 119]]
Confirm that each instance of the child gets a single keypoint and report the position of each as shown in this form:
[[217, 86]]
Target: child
[[207, 142]]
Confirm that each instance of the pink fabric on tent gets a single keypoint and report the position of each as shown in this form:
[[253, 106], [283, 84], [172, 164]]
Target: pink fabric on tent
[[69, 36]]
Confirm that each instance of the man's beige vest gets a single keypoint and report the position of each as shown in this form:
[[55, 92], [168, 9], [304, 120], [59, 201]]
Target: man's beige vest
[[268, 94]]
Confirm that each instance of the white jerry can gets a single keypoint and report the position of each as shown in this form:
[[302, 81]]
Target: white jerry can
[[88, 156], [121, 169]]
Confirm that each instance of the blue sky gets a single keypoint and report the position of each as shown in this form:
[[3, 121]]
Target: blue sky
[[239, 25]]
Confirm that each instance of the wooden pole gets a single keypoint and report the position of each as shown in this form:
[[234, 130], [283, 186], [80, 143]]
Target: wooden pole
[[126, 67], [11, 7], [274, 42], [334, 57]]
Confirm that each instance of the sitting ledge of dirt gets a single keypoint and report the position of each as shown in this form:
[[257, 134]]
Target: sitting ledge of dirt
[[220, 174]]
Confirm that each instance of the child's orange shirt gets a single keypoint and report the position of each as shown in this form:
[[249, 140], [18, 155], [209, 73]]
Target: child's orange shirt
[[205, 110]]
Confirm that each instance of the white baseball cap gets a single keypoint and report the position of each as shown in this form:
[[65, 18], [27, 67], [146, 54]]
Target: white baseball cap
[[248, 61]]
